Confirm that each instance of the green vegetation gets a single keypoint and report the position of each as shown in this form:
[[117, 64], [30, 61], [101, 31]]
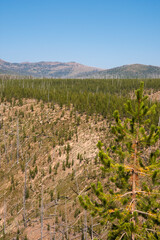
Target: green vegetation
[[53, 125], [86, 95], [130, 207]]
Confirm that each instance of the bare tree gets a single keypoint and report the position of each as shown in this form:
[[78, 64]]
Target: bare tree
[[55, 211], [24, 196], [85, 225], [4, 220], [42, 213], [66, 220], [5, 144], [91, 228], [17, 141], [76, 183]]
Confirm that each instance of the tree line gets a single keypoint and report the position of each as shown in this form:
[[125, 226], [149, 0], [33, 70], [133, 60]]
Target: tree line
[[92, 96]]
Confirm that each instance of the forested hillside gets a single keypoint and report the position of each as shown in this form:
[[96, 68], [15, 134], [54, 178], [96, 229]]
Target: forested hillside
[[49, 129], [87, 95]]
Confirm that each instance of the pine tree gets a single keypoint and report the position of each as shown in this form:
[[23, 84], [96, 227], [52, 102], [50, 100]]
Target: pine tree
[[131, 206]]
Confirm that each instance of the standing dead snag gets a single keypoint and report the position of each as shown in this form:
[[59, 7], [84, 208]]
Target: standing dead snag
[[85, 225], [55, 212], [5, 144], [130, 207], [77, 186], [91, 228], [17, 141], [66, 220], [24, 196], [42, 213], [4, 216]]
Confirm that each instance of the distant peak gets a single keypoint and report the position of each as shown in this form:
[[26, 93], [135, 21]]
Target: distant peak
[[1, 60]]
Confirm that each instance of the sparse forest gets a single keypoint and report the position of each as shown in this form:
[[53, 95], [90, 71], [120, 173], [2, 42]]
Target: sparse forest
[[91, 96], [49, 129]]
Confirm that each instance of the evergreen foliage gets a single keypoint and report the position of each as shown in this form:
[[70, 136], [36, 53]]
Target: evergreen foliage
[[130, 208], [93, 96]]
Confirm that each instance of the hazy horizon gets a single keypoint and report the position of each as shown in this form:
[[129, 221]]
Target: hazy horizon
[[79, 63]]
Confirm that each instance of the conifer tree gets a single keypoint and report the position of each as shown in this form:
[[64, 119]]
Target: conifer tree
[[131, 206]]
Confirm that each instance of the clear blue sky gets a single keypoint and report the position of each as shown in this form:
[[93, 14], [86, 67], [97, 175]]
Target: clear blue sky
[[102, 33]]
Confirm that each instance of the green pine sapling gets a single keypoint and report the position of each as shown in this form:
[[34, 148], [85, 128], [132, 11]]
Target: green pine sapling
[[131, 207]]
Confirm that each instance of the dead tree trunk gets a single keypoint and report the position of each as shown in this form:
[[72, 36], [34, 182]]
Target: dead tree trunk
[[24, 196], [17, 141], [91, 228], [4, 222], [42, 214], [85, 224], [66, 219], [76, 183], [5, 144], [48, 96], [0, 157], [55, 211]]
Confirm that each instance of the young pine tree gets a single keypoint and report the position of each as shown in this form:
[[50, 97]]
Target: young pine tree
[[131, 206]]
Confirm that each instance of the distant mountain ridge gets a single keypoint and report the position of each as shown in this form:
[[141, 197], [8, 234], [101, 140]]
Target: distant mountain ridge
[[77, 70], [131, 71], [47, 69]]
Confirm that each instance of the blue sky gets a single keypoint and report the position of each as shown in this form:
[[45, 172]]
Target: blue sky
[[101, 33]]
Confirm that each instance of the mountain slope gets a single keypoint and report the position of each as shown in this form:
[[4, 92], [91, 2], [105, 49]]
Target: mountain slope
[[76, 70], [61, 155], [130, 71], [47, 69]]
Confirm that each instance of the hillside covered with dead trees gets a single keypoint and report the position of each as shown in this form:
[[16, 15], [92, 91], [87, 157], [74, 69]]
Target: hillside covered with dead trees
[[49, 130]]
